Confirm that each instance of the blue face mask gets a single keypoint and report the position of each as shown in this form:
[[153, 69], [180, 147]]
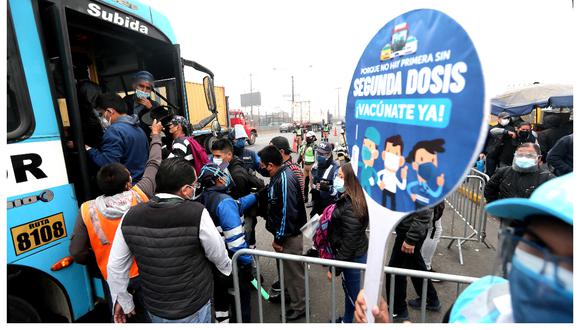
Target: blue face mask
[[524, 162], [321, 160], [427, 171], [240, 143], [141, 94], [537, 297], [366, 153], [338, 184]]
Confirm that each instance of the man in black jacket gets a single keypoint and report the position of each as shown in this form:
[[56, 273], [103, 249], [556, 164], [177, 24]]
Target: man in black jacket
[[223, 151], [561, 157], [286, 215], [411, 233], [497, 137], [523, 134], [520, 179], [556, 126]]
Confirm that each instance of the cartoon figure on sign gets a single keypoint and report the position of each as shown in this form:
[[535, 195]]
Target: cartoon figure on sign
[[424, 160], [393, 159], [368, 175]]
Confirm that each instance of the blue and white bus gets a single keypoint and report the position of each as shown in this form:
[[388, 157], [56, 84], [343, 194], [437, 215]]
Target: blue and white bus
[[49, 175]]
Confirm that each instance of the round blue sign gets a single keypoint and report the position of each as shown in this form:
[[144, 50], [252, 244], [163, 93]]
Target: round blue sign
[[415, 113]]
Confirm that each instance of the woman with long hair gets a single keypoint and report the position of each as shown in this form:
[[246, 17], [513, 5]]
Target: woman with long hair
[[347, 234]]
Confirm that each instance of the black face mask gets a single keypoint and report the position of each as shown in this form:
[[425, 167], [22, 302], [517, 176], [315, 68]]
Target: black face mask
[[523, 134], [264, 172]]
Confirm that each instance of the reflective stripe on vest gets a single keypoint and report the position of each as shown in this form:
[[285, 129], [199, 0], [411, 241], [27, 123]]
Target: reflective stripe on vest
[[476, 304], [327, 172], [101, 231]]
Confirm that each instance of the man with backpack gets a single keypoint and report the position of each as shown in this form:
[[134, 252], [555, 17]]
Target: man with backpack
[[185, 146]]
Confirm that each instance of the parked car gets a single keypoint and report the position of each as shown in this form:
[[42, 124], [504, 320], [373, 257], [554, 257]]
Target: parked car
[[286, 127]]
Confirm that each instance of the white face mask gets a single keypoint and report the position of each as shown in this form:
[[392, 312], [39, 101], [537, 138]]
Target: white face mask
[[538, 266], [218, 161], [391, 161], [504, 122]]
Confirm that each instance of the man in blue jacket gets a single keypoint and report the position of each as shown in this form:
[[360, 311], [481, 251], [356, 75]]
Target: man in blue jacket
[[286, 215], [124, 141], [226, 213]]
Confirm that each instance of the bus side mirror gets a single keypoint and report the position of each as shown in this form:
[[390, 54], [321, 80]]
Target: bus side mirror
[[209, 93]]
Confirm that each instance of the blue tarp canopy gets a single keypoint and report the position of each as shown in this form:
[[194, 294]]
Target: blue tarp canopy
[[522, 101]]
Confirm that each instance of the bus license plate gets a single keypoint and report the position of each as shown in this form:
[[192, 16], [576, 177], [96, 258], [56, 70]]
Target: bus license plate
[[37, 233]]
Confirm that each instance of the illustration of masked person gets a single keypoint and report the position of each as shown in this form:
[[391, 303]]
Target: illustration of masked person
[[393, 159], [370, 153], [429, 185]]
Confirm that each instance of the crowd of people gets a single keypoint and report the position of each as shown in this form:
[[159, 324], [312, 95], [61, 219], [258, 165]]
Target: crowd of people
[[169, 218]]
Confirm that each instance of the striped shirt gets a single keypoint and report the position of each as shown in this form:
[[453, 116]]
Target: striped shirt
[[181, 149], [297, 172]]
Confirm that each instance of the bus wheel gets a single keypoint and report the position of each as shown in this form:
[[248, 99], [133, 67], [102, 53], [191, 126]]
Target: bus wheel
[[252, 138], [21, 311]]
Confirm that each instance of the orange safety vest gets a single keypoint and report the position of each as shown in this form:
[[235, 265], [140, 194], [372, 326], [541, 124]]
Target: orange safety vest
[[102, 230]]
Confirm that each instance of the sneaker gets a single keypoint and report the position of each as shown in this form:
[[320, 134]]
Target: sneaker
[[416, 304], [276, 286], [401, 317], [434, 280], [292, 315]]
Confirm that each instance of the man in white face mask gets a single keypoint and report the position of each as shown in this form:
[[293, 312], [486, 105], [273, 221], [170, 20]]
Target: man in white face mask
[[520, 179], [388, 181]]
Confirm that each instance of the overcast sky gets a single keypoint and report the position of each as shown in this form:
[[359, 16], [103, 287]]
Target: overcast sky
[[320, 43]]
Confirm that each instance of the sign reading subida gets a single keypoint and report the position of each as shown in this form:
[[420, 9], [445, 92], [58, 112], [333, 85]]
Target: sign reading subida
[[119, 19], [415, 120]]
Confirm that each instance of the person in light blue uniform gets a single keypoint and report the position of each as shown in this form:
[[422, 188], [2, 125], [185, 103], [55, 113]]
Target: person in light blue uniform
[[537, 252], [226, 213], [369, 153], [423, 158]]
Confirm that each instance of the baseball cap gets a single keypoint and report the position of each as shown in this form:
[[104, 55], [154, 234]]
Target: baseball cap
[[281, 143], [324, 148], [211, 172], [553, 198], [503, 115]]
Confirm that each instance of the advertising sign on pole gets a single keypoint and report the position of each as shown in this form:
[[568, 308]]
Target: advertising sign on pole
[[415, 121]]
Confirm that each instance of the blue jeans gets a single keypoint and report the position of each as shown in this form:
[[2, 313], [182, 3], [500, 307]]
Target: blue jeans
[[203, 315], [351, 287]]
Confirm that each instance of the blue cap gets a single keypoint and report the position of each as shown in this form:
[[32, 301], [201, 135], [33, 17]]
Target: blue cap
[[373, 134], [553, 198], [143, 75]]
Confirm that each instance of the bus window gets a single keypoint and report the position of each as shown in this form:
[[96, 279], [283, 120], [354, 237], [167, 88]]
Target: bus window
[[20, 119]]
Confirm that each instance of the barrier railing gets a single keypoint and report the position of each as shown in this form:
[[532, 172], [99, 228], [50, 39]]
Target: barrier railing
[[391, 271], [468, 204]]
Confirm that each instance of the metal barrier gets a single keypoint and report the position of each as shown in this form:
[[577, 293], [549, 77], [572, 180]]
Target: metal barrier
[[391, 271], [468, 203]]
